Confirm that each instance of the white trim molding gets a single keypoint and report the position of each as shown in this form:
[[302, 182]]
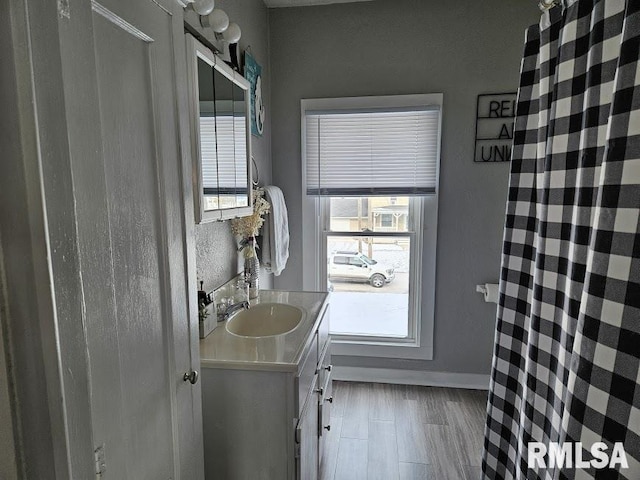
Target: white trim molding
[[472, 381]]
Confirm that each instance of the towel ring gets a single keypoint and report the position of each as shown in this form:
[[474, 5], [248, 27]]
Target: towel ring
[[255, 178]]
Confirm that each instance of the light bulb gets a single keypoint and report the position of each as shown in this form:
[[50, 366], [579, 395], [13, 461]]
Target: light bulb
[[203, 7], [232, 34], [218, 20]]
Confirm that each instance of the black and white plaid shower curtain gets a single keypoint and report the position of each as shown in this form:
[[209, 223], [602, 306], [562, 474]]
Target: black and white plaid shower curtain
[[566, 357]]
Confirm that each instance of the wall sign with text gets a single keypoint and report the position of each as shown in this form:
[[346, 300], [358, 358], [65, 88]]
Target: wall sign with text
[[495, 121]]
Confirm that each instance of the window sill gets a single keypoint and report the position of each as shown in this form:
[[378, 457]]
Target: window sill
[[410, 350]]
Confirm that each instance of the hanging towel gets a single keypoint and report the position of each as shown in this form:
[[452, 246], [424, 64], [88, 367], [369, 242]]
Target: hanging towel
[[275, 244]]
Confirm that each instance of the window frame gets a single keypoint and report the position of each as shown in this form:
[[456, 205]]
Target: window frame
[[415, 254], [419, 343]]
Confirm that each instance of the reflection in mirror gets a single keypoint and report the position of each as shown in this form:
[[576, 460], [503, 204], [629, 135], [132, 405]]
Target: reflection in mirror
[[225, 140], [240, 140], [220, 142], [209, 165]]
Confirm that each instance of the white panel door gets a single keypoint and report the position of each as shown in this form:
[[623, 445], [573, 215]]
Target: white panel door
[[134, 242]]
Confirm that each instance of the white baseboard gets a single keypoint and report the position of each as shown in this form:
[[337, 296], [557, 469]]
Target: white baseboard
[[473, 381]]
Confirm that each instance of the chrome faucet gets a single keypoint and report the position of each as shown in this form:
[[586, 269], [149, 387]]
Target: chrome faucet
[[225, 309]]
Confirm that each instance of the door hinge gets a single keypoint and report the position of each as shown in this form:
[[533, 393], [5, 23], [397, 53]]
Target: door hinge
[[101, 461]]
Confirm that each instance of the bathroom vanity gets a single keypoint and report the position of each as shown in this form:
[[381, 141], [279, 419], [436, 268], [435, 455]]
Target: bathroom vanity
[[267, 398]]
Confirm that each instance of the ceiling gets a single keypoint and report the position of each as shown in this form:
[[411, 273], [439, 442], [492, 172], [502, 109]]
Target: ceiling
[[305, 3]]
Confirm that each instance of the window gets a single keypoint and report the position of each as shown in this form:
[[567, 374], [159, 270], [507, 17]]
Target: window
[[386, 219], [371, 177], [340, 260], [369, 272], [357, 262]]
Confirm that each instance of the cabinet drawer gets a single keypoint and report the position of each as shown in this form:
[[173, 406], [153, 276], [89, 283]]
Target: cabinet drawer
[[325, 392], [324, 367], [308, 373], [325, 402], [324, 421]]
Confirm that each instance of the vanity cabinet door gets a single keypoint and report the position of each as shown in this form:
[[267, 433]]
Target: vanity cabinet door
[[324, 427], [307, 440]]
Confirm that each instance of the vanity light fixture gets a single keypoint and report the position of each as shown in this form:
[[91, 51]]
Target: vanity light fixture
[[217, 20], [203, 7], [232, 34]]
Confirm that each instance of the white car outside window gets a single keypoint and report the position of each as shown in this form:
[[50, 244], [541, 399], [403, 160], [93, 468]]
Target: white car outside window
[[355, 266]]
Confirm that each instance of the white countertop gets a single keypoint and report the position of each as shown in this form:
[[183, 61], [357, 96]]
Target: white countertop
[[221, 349]]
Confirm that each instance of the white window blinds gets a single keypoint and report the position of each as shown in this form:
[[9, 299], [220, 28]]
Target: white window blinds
[[221, 141], [208, 153], [372, 152]]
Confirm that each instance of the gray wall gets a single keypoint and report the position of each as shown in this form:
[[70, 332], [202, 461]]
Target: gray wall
[[8, 87], [8, 464], [385, 47], [216, 256]]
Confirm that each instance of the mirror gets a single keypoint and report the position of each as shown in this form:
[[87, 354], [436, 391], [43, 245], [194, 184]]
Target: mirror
[[208, 157], [241, 120], [225, 139], [221, 145]]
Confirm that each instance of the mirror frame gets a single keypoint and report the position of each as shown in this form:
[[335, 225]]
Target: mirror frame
[[197, 50]]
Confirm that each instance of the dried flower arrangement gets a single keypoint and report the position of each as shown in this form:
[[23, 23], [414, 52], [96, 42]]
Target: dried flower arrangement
[[247, 228]]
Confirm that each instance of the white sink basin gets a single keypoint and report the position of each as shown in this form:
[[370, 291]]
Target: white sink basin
[[265, 320]]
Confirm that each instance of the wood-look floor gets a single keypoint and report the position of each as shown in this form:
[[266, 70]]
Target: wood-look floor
[[398, 432]]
